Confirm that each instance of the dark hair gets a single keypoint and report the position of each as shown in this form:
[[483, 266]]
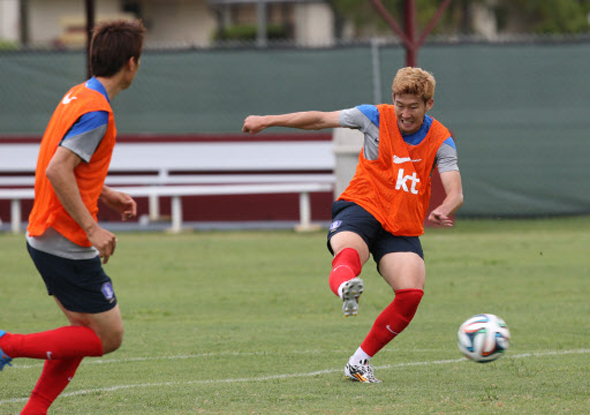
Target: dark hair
[[113, 44]]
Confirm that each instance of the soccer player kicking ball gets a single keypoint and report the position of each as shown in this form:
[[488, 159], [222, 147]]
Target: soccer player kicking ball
[[64, 239], [383, 209]]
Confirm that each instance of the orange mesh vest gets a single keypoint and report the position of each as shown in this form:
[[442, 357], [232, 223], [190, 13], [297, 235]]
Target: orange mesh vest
[[395, 188], [47, 209]]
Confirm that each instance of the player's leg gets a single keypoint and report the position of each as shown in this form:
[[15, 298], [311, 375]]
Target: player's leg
[[350, 254], [55, 377], [405, 273], [107, 325], [63, 343], [348, 240], [96, 327], [89, 335], [400, 262], [60, 367]]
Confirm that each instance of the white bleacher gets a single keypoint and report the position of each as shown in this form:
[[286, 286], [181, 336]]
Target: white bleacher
[[178, 169]]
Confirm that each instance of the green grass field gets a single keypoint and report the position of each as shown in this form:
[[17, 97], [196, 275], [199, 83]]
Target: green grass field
[[244, 323]]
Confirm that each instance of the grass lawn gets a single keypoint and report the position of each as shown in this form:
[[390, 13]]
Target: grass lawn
[[244, 323]]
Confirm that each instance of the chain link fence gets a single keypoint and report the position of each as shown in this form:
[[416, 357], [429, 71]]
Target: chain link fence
[[518, 108]]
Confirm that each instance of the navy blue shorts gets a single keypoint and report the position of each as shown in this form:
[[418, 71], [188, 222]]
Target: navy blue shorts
[[348, 216], [80, 285]]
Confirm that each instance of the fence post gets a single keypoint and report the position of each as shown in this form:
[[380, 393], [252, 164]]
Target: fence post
[[15, 216], [176, 212], [376, 63]]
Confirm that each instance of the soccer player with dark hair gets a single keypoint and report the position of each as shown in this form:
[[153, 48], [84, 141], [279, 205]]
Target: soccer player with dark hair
[[382, 211], [64, 239]]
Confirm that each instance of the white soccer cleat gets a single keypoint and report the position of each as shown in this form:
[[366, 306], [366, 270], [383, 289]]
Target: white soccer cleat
[[351, 291], [363, 373]]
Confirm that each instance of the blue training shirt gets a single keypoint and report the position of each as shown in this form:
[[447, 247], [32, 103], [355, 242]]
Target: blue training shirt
[[365, 118], [88, 131]]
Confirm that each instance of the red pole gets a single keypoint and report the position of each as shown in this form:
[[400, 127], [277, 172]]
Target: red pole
[[410, 25], [89, 29], [390, 21], [408, 36]]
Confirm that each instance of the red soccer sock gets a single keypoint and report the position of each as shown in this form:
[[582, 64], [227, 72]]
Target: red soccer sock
[[60, 344], [55, 377], [393, 320], [345, 266]]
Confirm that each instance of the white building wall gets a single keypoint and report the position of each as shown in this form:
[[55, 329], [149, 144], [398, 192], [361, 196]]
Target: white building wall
[[46, 18], [179, 22], [484, 21], [314, 24], [9, 20], [169, 22]]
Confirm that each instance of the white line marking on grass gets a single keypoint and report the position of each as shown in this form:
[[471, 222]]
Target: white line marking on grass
[[93, 361], [288, 375]]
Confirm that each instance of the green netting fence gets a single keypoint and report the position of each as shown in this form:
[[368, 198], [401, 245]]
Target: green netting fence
[[520, 113]]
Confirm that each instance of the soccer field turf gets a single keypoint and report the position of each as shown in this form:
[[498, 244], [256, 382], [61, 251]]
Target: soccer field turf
[[244, 323]]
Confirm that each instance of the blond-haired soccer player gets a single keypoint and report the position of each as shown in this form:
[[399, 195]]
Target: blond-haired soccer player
[[63, 237], [383, 209]]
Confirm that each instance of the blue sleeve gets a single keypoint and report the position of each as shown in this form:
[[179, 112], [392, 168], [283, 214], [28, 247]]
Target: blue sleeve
[[371, 112], [88, 122], [450, 142], [446, 156], [86, 134]]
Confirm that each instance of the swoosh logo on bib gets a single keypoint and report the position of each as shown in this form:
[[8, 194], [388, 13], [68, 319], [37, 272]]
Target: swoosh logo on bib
[[402, 160], [67, 99]]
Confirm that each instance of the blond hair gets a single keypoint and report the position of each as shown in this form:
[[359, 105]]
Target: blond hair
[[414, 81]]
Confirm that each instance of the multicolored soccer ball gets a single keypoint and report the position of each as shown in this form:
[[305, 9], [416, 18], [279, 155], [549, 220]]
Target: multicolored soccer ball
[[484, 338]]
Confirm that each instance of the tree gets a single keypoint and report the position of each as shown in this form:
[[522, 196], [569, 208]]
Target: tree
[[536, 16], [554, 16]]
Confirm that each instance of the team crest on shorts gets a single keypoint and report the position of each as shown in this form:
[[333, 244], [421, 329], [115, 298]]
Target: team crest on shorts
[[107, 291], [335, 225]]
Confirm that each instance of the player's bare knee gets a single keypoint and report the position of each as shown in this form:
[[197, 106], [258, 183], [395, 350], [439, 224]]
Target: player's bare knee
[[112, 340]]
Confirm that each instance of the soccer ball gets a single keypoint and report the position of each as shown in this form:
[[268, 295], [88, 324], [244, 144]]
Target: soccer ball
[[483, 338]]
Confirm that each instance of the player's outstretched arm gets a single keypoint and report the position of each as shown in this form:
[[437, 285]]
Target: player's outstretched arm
[[441, 215], [308, 120]]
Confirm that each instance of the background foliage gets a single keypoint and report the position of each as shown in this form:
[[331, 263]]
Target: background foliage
[[535, 16]]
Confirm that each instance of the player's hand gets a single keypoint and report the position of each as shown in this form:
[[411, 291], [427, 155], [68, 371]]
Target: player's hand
[[104, 241], [119, 202], [253, 124], [440, 218]]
